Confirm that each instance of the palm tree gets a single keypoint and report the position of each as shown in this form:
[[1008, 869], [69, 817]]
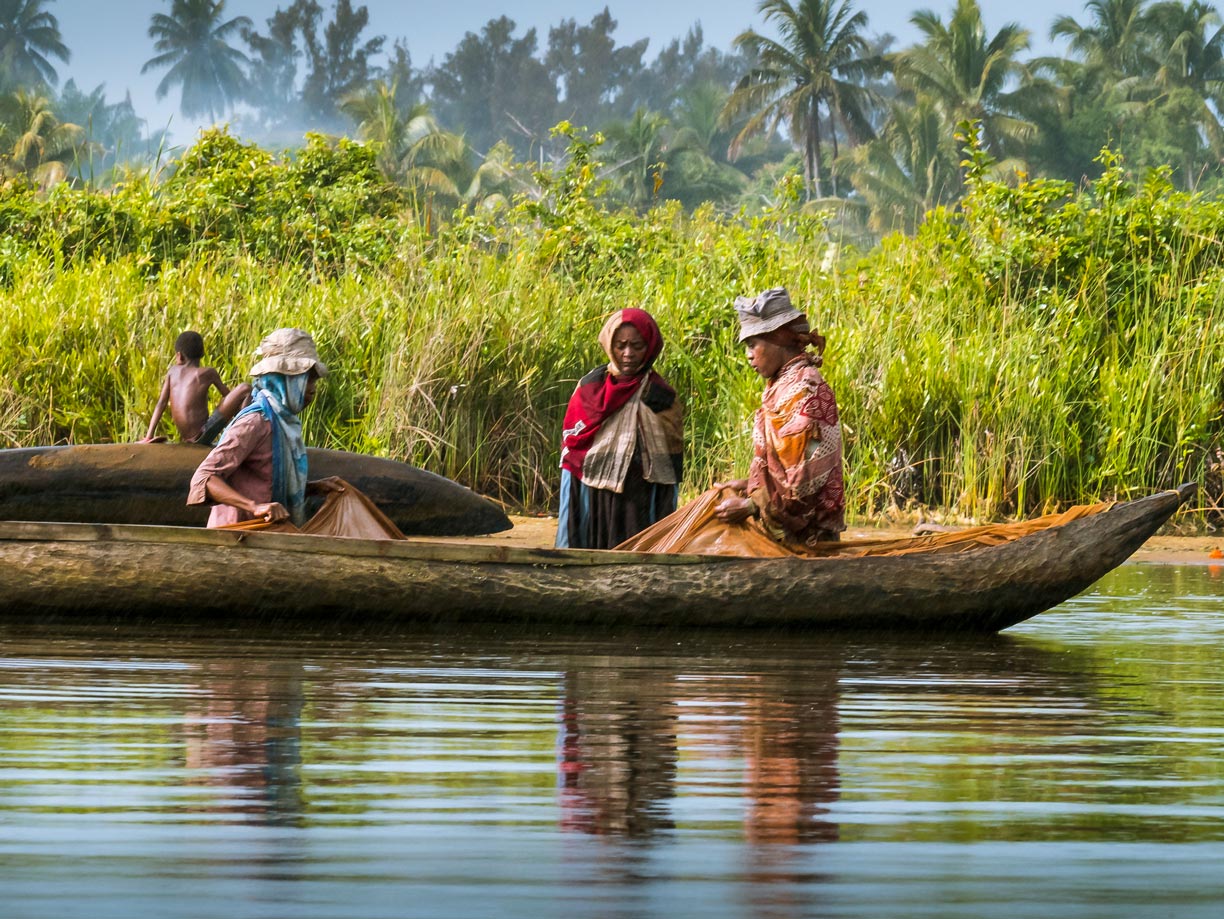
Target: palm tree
[[1189, 79], [911, 168], [813, 74], [1186, 53], [193, 43], [640, 149], [697, 167], [35, 143], [378, 117], [114, 129], [1103, 86], [971, 76], [436, 165], [1191, 57], [28, 36], [1113, 47], [413, 149], [698, 118], [491, 183], [1144, 78]]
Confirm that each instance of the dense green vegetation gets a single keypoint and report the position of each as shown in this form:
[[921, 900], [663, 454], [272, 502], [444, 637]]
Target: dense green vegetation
[[1043, 344], [1046, 332], [811, 90]]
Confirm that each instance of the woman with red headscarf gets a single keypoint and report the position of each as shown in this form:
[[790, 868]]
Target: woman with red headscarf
[[622, 441]]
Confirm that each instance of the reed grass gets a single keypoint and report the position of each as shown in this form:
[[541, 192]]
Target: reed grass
[[1030, 353]]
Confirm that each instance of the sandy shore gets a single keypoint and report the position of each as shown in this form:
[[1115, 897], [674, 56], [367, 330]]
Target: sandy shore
[[538, 532]]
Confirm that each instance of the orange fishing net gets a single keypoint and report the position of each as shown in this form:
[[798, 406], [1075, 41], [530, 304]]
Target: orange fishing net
[[694, 529], [344, 513]]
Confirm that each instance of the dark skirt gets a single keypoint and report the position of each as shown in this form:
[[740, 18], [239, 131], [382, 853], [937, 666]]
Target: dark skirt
[[594, 518]]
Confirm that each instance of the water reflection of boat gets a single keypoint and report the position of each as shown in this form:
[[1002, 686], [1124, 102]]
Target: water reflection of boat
[[945, 582], [726, 733], [666, 737]]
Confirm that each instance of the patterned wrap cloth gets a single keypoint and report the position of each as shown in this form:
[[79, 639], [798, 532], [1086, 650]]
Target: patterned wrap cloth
[[621, 446], [601, 393], [796, 474]]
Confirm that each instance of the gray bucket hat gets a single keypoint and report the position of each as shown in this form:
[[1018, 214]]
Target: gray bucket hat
[[287, 351], [766, 312]]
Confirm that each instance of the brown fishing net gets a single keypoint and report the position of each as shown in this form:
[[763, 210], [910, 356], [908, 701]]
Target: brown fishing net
[[693, 529], [344, 513]]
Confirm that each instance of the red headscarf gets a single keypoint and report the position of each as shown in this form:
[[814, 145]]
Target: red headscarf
[[601, 394]]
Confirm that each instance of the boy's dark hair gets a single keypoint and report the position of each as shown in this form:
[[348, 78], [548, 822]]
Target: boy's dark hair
[[190, 345]]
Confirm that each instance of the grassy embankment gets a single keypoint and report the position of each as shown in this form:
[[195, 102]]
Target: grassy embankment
[[1045, 347]]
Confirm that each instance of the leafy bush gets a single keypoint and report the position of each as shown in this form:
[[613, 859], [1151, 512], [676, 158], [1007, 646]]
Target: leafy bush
[[1042, 346]]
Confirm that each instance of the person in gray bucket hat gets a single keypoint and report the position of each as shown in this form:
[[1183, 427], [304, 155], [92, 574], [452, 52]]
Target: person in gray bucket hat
[[795, 484], [258, 470], [766, 312]]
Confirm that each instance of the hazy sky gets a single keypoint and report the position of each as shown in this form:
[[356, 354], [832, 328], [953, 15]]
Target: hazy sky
[[109, 38]]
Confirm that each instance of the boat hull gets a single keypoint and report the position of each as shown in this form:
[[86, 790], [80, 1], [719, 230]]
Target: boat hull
[[147, 484], [165, 571]]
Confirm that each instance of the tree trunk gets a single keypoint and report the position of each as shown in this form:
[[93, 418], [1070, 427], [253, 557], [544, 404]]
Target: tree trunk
[[813, 150], [833, 138]]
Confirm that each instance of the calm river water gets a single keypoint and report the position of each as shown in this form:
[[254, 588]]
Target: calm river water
[[1070, 767]]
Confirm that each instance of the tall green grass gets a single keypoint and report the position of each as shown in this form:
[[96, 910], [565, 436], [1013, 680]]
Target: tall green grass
[[1047, 346]]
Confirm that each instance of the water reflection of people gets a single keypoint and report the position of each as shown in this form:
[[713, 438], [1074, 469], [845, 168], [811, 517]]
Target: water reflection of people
[[618, 752], [246, 734], [790, 747], [619, 747]]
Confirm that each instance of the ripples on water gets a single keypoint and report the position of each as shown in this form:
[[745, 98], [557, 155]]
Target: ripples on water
[[1070, 767]]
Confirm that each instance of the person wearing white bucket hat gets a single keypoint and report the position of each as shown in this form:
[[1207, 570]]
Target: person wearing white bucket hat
[[795, 484], [288, 352], [258, 470]]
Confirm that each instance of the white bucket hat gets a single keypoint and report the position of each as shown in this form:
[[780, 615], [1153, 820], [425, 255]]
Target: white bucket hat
[[766, 312], [287, 351]]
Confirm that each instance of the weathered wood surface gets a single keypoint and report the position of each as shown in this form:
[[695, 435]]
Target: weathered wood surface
[[147, 484], [46, 567]]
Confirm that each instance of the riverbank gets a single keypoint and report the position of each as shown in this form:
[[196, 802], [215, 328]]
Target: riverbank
[[1027, 350], [538, 532]]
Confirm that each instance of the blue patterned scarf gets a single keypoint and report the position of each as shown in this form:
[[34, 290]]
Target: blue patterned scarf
[[279, 398]]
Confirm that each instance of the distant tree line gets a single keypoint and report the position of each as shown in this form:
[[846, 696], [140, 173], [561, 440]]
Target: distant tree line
[[812, 93]]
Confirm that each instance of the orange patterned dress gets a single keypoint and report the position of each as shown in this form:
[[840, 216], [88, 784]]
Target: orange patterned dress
[[796, 473]]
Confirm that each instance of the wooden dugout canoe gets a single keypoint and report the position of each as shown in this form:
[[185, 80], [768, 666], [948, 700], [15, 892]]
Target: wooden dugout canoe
[[175, 572], [147, 484]]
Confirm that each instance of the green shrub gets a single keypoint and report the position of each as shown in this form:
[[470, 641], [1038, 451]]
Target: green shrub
[[1041, 347]]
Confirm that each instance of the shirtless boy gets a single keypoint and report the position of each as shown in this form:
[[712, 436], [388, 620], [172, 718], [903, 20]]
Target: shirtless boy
[[185, 389]]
